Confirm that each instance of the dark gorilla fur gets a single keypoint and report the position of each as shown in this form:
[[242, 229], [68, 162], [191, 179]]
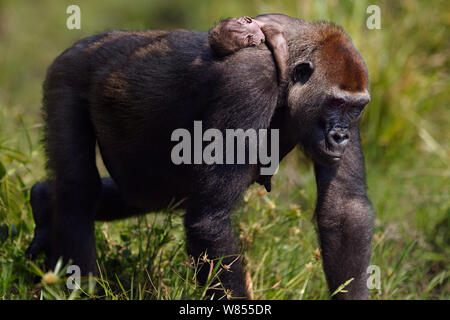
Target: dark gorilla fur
[[128, 90]]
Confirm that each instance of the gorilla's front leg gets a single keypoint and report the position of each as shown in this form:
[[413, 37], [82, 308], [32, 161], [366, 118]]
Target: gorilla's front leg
[[209, 230], [344, 218]]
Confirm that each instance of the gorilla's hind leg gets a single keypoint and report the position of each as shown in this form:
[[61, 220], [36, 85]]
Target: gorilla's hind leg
[[74, 181], [111, 206]]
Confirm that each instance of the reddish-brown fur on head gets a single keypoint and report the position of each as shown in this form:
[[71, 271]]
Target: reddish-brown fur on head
[[328, 91], [344, 66]]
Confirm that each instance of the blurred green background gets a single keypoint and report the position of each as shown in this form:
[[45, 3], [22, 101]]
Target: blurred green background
[[405, 132]]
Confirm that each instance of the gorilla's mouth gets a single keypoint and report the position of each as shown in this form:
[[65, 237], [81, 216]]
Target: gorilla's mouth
[[329, 152], [325, 153], [325, 147], [332, 144], [334, 157], [327, 157]]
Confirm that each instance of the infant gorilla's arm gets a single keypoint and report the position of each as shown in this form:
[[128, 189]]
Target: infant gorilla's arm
[[273, 32], [233, 34]]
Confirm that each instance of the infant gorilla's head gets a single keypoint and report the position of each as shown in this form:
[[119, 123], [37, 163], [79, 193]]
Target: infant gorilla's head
[[233, 34]]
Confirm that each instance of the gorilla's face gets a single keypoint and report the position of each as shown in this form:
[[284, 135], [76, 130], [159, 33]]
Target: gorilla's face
[[326, 95], [326, 132]]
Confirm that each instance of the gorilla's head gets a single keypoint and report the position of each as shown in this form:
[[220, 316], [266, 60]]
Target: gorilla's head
[[327, 89]]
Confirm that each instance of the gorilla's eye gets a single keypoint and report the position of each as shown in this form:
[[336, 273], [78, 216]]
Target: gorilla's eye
[[249, 39], [303, 71]]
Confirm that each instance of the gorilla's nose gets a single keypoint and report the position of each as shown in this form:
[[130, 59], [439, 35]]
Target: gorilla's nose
[[338, 137]]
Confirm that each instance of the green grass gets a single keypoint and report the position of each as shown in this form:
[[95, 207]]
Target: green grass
[[405, 133]]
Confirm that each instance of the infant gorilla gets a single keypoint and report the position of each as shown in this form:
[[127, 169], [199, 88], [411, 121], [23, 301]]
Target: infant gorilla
[[231, 35]]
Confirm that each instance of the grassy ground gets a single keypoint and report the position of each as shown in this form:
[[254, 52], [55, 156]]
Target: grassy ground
[[405, 134]]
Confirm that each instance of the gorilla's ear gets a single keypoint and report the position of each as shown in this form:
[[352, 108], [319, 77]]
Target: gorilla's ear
[[303, 71]]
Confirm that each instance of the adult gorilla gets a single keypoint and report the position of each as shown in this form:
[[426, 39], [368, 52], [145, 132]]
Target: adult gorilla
[[128, 91]]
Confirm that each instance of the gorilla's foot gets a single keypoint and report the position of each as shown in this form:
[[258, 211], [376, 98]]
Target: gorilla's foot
[[40, 204]]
